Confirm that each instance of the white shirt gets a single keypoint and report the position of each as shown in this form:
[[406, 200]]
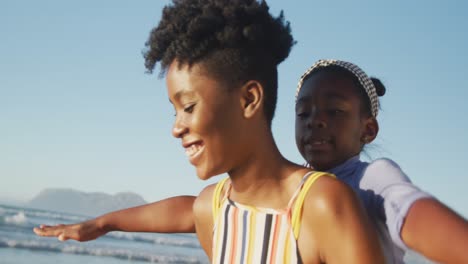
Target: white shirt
[[387, 194]]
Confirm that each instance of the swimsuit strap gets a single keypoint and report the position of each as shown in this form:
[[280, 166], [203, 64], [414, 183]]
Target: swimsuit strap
[[216, 195], [299, 196], [295, 203], [298, 189]]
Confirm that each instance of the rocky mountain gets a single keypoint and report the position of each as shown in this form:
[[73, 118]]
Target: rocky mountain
[[82, 203]]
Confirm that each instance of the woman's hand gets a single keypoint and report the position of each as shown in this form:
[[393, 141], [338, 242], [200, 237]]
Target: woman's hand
[[84, 231]]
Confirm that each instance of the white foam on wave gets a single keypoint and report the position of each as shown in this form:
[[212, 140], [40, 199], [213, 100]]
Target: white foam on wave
[[17, 219], [5, 210], [83, 249], [56, 216], [157, 239], [43, 214]]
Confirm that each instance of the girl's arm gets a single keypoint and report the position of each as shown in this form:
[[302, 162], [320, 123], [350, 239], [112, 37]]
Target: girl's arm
[[342, 230], [415, 219], [172, 215], [436, 231]]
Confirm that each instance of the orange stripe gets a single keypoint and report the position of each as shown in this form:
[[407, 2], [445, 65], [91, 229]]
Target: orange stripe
[[233, 238], [275, 238]]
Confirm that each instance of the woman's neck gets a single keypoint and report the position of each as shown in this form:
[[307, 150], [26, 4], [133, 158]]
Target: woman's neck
[[265, 178]]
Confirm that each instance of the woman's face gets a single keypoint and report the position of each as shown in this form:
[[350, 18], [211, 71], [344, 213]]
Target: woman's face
[[206, 117]]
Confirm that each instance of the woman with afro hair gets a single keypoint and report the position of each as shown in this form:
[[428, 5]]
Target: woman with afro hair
[[219, 58]]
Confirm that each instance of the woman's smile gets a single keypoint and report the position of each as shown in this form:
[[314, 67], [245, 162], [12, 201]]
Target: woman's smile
[[193, 151]]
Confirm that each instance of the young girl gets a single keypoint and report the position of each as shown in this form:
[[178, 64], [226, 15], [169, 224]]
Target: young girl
[[336, 110], [220, 59]]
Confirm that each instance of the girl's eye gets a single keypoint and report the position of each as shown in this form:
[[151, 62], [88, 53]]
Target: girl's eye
[[335, 111], [189, 109]]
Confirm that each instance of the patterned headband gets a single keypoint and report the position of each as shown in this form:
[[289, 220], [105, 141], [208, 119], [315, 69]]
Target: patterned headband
[[364, 80]]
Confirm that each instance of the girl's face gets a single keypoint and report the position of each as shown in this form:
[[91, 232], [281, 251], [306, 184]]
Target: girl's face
[[330, 128], [206, 119]]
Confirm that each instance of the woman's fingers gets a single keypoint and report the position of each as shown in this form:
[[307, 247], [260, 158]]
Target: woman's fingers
[[81, 231], [50, 231]]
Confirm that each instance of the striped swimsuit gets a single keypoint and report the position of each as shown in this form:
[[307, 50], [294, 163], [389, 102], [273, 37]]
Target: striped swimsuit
[[246, 234]]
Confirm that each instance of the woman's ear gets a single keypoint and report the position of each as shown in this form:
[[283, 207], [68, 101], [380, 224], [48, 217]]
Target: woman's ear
[[251, 98], [370, 131]]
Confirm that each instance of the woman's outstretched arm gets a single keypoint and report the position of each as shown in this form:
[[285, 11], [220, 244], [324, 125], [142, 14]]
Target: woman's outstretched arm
[[172, 215]]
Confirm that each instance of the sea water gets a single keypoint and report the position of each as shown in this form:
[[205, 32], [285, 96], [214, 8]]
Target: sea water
[[19, 245]]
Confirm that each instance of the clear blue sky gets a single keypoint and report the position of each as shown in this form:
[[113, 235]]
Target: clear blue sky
[[78, 111]]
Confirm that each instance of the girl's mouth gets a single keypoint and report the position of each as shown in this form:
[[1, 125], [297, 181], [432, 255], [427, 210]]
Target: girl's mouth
[[317, 144]]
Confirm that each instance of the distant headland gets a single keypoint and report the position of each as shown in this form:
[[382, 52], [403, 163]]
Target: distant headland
[[83, 203]]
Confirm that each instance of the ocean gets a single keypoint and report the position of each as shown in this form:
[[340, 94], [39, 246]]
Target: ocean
[[19, 245]]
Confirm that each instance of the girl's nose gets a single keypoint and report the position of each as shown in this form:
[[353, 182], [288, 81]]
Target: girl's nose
[[317, 120]]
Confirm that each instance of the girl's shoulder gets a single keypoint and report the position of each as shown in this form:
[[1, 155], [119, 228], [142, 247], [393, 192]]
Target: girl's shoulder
[[381, 174], [384, 168], [384, 163]]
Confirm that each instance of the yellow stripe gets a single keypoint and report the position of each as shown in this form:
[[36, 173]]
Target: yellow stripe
[[287, 248], [216, 196], [217, 237], [250, 247], [297, 212]]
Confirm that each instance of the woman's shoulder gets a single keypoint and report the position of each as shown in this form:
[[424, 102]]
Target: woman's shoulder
[[328, 204], [202, 204], [326, 196], [331, 215]]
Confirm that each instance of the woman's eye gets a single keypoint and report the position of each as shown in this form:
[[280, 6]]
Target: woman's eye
[[189, 109], [303, 115]]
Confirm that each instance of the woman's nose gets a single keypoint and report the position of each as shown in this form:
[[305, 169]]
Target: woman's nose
[[179, 128]]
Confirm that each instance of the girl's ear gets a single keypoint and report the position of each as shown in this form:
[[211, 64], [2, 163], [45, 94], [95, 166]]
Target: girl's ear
[[251, 98], [370, 131]]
